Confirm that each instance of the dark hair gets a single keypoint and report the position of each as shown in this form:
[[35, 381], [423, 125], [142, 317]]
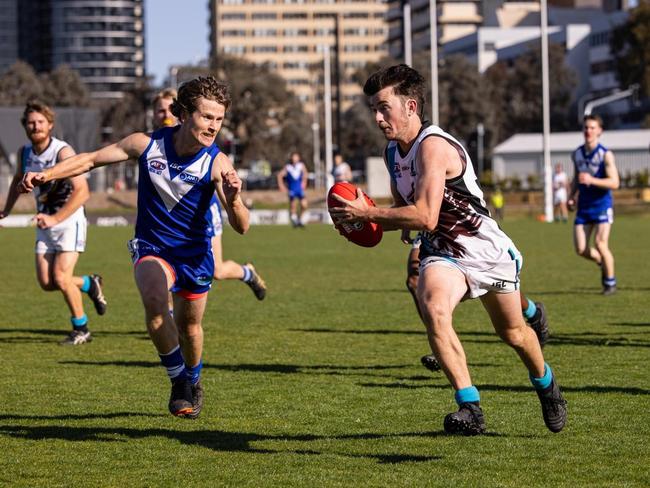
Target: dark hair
[[206, 87], [595, 118], [41, 108], [406, 82]]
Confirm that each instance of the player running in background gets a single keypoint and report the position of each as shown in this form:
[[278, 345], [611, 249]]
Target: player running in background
[[464, 254], [292, 179], [594, 179], [341, 170], [560, 194], [60, 221], [223, 270], [180, 167]]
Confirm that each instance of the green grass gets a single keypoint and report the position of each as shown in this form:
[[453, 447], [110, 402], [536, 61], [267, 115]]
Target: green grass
[[320, 384]]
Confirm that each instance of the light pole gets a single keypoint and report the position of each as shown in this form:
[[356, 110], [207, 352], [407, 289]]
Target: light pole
[[546, 143], [433, 31], [406, 16], [329, 179]]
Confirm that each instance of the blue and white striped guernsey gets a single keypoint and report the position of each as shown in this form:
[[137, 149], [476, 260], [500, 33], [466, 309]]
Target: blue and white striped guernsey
[[174, 196]]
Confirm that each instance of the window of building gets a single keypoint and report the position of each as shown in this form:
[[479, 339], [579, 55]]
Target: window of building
[[294, 15], [265, 16], [234, 16]]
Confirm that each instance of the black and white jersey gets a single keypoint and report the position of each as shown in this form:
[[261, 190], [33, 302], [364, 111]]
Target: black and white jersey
[[51, 196], [465, 230]]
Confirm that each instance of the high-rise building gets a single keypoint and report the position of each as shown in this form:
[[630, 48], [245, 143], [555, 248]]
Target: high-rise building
[[101, 39], [8, 33], [289, 35]]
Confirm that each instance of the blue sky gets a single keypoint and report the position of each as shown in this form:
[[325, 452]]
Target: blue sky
[[176, 32]]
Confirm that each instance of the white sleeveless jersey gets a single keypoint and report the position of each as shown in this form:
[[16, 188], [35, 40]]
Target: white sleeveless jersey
[[51, 196], [465, 232]]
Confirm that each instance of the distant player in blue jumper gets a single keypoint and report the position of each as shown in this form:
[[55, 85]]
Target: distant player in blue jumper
[[181, 167], [60, 221], [292, 179], [595, 178]]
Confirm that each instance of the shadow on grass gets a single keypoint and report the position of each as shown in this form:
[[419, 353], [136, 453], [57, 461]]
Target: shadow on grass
[[630, 324], [362, 331], [518, 388], [33, 337], [326, 369], [596, 339], [86, 416], [215, 440]]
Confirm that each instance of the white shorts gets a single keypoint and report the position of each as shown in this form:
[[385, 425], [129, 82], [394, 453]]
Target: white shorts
[[559, 196], [501, 278], [66, 236], [217, 220]]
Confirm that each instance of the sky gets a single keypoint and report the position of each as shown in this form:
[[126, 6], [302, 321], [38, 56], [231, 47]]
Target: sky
[[176, 32]]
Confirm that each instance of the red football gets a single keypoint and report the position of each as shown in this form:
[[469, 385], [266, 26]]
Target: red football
[[366, 234]]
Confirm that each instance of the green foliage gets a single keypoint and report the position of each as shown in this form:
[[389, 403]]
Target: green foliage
[[320, 384], [62, 87], [265, 117], [630, 45]]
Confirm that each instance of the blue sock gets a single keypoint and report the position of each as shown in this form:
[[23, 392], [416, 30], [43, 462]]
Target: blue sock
[[86, 284], [194, 373], [248, 274], [173, 362], [467, 395], [609, 281], [529, 313], [544, 381], [79, 323]]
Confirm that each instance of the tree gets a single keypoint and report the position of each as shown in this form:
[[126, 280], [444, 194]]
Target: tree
[[517, 88], [19, 84], [265, 117], [630, 45], [63, 87]]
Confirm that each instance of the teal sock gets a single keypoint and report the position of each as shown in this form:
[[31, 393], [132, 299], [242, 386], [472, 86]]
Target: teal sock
[[86, 284], [543, 382], [79, 322], [467, 395], [529, 313]]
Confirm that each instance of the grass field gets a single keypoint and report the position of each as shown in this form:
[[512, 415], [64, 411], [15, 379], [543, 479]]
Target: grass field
[[320, 384]]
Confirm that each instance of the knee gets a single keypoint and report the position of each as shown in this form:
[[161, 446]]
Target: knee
[[514, 336], [218, 273], [190, 331], [156, 306], [601, 245], [61, 281], [438, 318], [583, 251]]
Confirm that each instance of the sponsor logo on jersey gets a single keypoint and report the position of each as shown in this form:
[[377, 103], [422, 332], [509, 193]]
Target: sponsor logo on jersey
[[176, 166], [189, 178], [397, 170], [156, 167]]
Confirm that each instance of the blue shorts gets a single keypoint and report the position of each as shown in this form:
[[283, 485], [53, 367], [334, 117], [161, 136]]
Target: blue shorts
[[297, 193], [594, 216], [192, 274]]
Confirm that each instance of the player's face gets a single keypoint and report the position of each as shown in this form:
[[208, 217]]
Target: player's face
[[162, 115], [390, 113], [205, 122], [37, 127], [592, 131]]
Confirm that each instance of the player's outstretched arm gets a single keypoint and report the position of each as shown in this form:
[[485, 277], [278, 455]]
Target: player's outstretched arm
[[130, 147], [280, 177], [14, 188], [228, 186]]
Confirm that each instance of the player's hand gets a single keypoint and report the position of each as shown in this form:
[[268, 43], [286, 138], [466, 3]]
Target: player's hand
[[585, 178], [30, 181], [231, 184], [406, 236], [44, 221], [353, 210], [571, 204]]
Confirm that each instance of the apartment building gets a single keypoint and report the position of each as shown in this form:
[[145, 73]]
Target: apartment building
[[289, 36], [101, 39]]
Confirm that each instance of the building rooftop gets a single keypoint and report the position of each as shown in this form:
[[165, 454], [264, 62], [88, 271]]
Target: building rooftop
[[616, 140]]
